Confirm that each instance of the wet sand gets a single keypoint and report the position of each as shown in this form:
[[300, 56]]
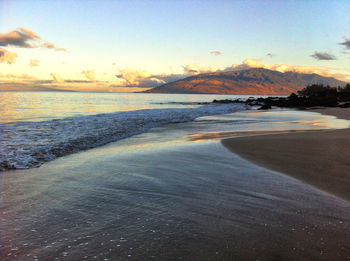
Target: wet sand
[[341, 113], [319, 158], [192, 202], [158, 196]]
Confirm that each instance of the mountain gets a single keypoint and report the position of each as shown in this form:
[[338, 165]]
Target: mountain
[[251, 81]]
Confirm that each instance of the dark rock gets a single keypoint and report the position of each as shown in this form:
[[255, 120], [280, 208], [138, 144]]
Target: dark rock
[[265, 107], [345, 105]]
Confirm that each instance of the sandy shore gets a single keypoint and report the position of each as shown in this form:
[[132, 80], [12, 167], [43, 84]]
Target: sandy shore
[[161, 196], [319, 158]]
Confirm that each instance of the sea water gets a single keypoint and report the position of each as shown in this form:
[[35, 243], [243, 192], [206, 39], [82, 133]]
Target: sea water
[[36, 127], [168, 192]]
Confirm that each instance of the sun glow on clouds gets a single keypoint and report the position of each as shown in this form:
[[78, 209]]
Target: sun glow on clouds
[[89, 74], [143, 45], [128, 79], [56, 78], [194, 69], [23, 38], [33, 63], [7, 56], [253, 63], [19, 77], [131, 77]]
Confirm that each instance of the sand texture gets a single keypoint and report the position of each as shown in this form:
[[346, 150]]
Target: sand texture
[[320, 158], [161, 196]]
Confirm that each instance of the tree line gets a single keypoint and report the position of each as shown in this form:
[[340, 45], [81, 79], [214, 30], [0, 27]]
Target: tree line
[[311, 96]]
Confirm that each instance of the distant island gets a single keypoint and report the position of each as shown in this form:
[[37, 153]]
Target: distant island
[[251, 81]]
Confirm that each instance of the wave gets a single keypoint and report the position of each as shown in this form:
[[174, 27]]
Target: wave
[[181, 103], [30, 144]]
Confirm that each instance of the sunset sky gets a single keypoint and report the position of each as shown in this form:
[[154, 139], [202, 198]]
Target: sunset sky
[[104, 45]]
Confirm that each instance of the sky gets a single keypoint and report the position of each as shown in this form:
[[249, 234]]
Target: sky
[[124, 45]]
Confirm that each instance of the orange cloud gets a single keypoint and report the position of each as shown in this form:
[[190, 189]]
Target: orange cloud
[[7, 56], [253, 63], [194, 69], [90, 74], [33, 63], [142, 78], [56, 78], [22, 37], [52, 46], [133, 77], [18, 76]]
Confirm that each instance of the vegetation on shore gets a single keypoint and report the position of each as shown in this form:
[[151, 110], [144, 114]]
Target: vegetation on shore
[[311, 96]]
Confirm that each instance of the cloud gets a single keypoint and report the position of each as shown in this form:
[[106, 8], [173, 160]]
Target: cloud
[[33, 63], [134, 77], [253, 63], [56, 78], [216, 53], [18, 76], [140, 78], [346, 43], [77, 81], [7, 56], [165, 78], [89, 74], [194, 69], [25, 38], [323, 56], [21, 38], [52, 46], [246, 64]]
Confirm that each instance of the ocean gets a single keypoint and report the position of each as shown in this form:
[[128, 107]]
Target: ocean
[[36, 127], [129, 176]]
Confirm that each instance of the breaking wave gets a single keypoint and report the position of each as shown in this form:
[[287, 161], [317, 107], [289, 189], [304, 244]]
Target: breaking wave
[[30, 144]]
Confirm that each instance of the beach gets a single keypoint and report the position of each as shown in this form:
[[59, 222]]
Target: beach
[[184, 202], [174, 130], [173, 193], [319, 158]]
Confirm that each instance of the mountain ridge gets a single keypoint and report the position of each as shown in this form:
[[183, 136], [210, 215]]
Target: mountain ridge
[[250, 81]]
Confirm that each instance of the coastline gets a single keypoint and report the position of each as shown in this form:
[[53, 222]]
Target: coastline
[[161, 196], [318, 158]]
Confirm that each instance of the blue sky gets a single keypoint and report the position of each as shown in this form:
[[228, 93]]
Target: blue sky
[[163, 37]]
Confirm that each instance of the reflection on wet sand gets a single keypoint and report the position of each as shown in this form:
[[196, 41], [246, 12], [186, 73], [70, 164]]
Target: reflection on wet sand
[[162, 196], [169, 204], [197, 137]]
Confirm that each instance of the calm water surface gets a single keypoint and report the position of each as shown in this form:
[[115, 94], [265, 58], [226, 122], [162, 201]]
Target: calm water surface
[[39, 106]]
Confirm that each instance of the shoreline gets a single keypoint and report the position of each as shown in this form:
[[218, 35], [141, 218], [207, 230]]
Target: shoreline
[[161, 196], [323, 162]]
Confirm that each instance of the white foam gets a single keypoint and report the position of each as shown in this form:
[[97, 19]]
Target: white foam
[[30, 144]]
